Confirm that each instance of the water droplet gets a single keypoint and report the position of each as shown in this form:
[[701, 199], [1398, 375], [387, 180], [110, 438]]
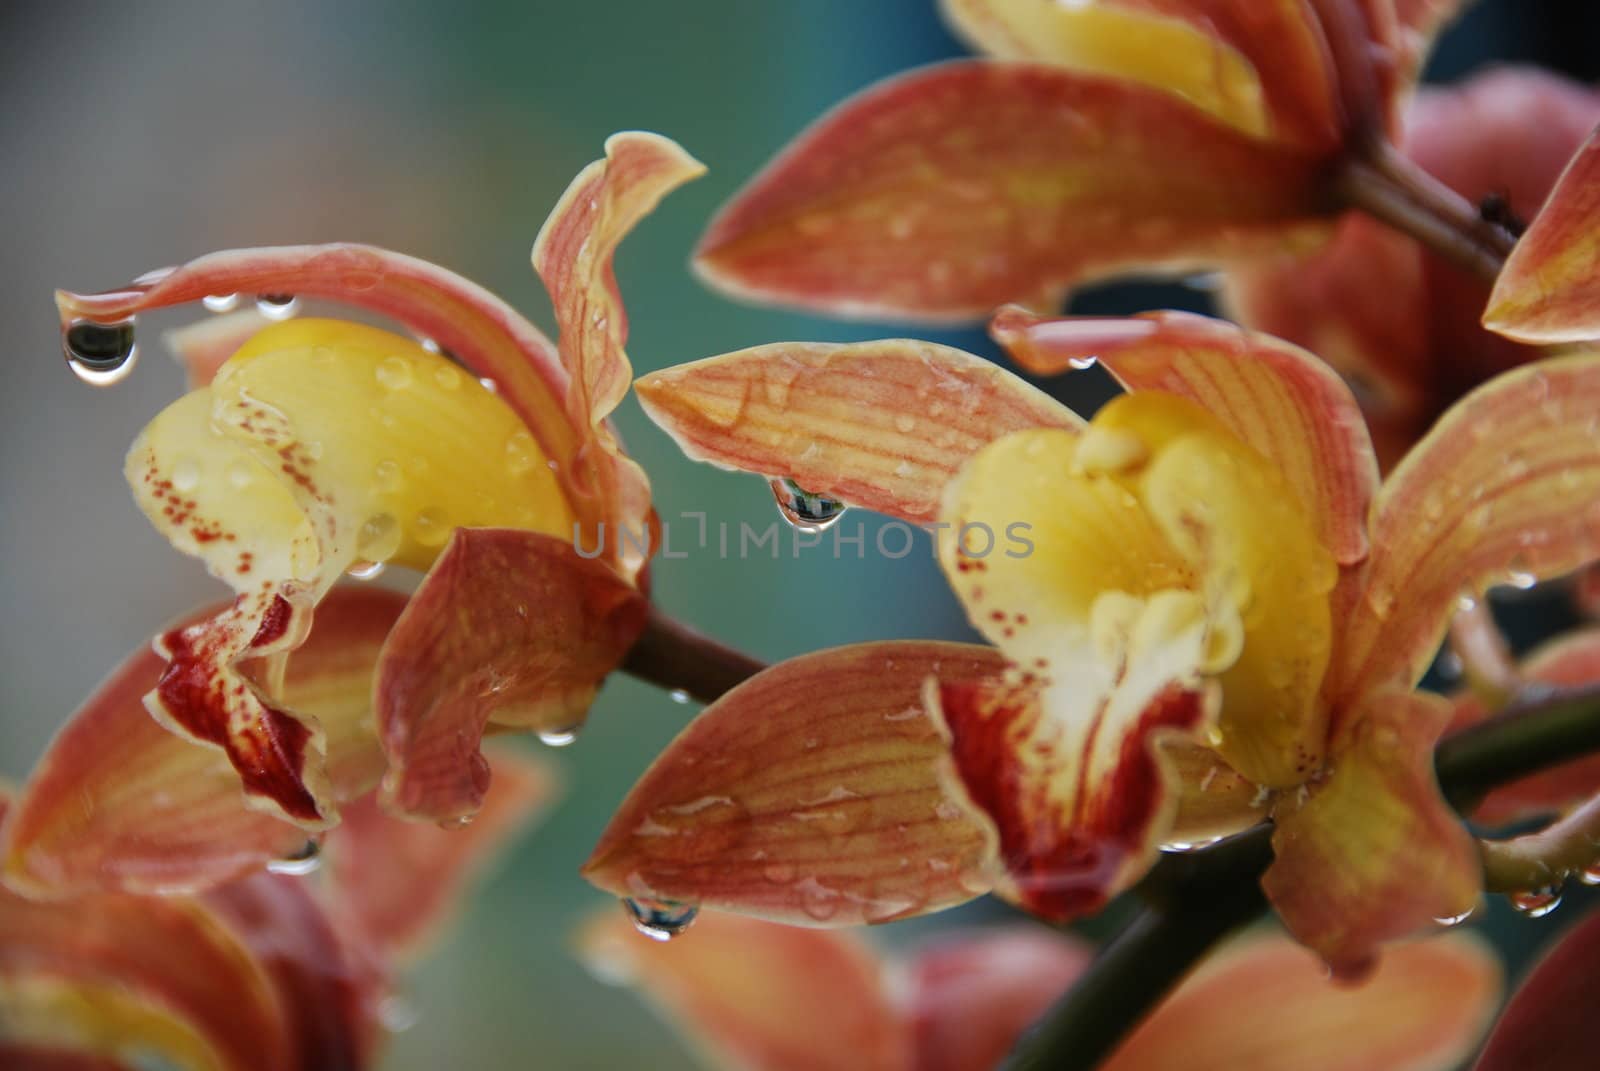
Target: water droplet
[[394, 373], [1523, 580], [240, 474], [460, 821], [431, 526], [306, 860], [659, 920], [804, 510], [1455, 920], [558, 737], [779, 873], [522, 453], [364, 570], [387, 475], [220, 302], [489, 385], [1536, 903], [1082, 363], [678, 695], [1590, 876], [379, 538], [100, 354], [447, 378], [277, 306], [818, 901], [905, 422], [185, 475]]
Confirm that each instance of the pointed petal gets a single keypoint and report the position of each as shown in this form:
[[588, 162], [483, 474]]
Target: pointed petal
[[973, 995], [118, 802], [883, 425], [1374, 854], [946, 192], [757, 995], [810, 794], [1568, 661], [1550, 1020], [510, 627], [1506, 486], [205, 346], [1262, 1002], [397, 882], [1279, 399], [1548, 290], [1252, 65]]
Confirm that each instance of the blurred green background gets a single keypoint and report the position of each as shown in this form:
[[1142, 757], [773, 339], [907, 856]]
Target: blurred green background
[[138, 135]]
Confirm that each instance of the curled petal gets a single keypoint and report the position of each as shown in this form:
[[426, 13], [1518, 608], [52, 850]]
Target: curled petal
[[758, 995], [1263, 1002], [1277, 398], [1568, 661], [948, 191], [884, 425], [1550, 1019], [118, 802], [1505, 488], [396, 881], [972, 995], [1374, 853], [1548, 291], [510, 627], [205, 346], [810, 794], [1214, 800]]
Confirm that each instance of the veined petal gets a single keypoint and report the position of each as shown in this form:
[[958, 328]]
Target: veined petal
[[1571, 660], [318, 445], [883, 425], [757, 995], [1548, 291], [1262, 1002], [1550, 1019], [1277, 398], [120, 803], [205, 345], [972, 995], [1505, 487], [396, 882], [810, 794], [511, 627], [1373, 853], [946, 192]]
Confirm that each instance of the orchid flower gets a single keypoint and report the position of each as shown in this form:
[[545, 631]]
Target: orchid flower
[[1397, 320], [1221, 616], [270, 972], [482, 457], [765, 997], [1098, 138]]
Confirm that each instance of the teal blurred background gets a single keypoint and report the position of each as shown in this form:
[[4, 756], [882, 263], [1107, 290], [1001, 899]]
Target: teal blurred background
[[139, 135]]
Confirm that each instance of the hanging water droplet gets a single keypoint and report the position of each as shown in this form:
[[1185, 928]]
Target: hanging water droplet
[[804, 510], [100, 354], [678, 695], [1536, 903], [659, 920], [364, 570], [1590, 876], [277, 306], [558, 737], [379, 538], [1081, 363], [1525, 581], [1455, 920], [220, 302], [306, 860]]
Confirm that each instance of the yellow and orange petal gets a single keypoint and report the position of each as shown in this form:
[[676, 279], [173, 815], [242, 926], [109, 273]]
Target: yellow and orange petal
[[811, 794], [883, 425], [1372, 853]]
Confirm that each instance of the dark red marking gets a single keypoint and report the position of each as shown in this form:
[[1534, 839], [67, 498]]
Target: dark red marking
[[274, 623]]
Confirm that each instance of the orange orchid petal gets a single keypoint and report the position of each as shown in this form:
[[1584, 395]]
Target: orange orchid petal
[[1373, 853], [1263, 1003], [946, 192], [1569, 660], [883, 425], [396, 881], [1550, 1019], [757, 995], [809, 794], [1548, 291], [1257, 66], [973, 995], [1278, 399], [118, 802], [1506, 486], [205, 346], [510, 627]]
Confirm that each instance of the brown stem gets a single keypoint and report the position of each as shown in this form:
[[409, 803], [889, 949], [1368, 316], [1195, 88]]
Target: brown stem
[[1486, 659], [1548, 857], [674, 656]]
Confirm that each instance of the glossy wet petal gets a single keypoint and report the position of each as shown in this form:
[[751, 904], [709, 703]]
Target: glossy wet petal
[[759, 995], [118, 802], [1550, 1019], [1264, 1003], [884, 425], [811, 794], [510, 627], [205, 345], [1278, 399], [946, 192], [1506, 488], [1373, 853]]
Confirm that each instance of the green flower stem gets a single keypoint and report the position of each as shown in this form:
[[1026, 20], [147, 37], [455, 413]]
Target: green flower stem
[[1547, 858]]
